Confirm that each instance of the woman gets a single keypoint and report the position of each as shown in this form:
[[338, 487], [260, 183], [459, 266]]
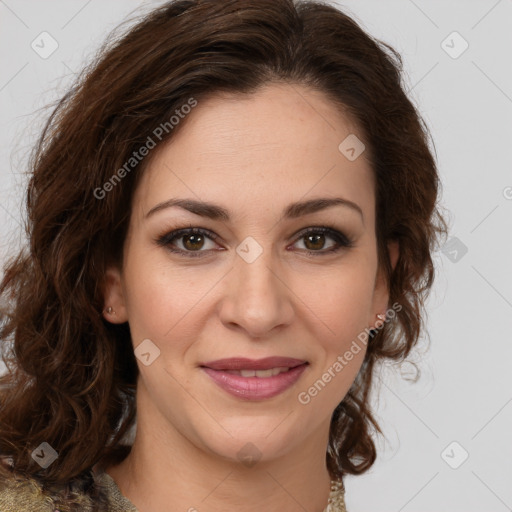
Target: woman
[[231, 219]]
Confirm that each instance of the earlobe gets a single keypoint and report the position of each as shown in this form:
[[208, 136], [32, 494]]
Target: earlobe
[[381, 291], [114, 309]]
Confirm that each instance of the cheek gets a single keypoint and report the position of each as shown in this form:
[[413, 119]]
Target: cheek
[[342, 298], [158, 297], [343, 307], [162, 297]]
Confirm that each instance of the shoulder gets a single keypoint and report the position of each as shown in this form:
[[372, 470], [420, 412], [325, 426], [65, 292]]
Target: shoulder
[[18, 494], [337, 497], [117, 501], [23, 495]]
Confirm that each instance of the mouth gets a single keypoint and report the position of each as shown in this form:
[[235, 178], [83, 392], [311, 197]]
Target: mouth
[[242, 364], [262, 374], [251, 379]]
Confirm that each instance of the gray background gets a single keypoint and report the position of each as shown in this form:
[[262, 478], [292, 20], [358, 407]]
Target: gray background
[[464, 394]]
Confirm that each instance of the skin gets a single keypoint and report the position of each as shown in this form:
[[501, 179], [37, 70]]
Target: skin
[[253, 155]]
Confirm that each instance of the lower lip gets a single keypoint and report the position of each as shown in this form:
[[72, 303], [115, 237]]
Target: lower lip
[[256, 388]]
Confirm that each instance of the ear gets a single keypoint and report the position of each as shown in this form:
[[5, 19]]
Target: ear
[[114, 297], [381, 291]]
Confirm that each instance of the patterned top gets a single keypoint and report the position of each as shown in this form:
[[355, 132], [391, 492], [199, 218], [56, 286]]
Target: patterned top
[[26, 495]]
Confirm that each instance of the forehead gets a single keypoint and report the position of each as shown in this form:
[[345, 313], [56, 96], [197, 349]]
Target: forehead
[[274, 146]]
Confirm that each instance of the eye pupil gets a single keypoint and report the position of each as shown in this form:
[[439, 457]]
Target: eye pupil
[[316, 239], [195, 239]]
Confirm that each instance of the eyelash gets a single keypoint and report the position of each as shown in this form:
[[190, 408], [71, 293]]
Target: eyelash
[[342, 240]]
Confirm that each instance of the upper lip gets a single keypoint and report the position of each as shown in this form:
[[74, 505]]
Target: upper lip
[[241, 363]]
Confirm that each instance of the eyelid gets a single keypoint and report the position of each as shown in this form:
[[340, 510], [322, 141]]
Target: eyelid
[[178, 233], [343, 241], [331, 231]]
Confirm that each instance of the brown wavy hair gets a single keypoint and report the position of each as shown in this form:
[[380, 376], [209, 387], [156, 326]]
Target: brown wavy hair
[[71, 379]]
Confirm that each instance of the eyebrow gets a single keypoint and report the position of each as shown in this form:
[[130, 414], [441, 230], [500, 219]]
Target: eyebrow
[[292, 211]]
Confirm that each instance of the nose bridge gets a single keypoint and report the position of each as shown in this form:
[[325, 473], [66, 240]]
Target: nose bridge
[[258, 300], [257, 277], [258, 284]]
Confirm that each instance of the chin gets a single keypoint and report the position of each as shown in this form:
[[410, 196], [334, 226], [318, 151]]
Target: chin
[[251, 443]]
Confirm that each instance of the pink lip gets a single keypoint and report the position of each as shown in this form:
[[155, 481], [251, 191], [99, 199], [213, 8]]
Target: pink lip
[[256, 388], [242, 363]]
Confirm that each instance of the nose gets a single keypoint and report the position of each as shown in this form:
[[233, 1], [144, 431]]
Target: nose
[[257, 298]]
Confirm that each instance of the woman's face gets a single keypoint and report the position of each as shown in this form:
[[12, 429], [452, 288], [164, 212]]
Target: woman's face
[[254, 283]]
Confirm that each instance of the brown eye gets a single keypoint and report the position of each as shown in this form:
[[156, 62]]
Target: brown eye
[[188, 242], [193, 242], [314, 242], [315, 239]]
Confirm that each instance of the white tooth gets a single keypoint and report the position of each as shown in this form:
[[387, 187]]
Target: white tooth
[[264, 373], [259, 373]]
